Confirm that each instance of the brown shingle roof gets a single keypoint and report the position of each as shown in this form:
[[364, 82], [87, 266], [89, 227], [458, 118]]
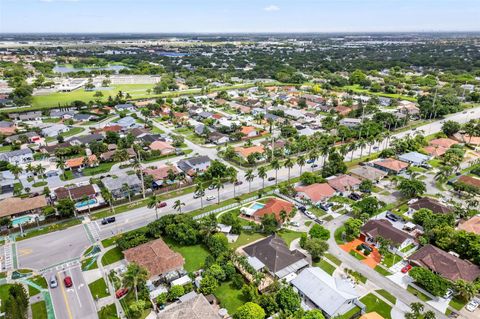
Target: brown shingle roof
[[432, 204], [383, 228], [75, 193], [472, 225], [155, 256], [445, 264], [344, 183], [468, 180], [193, 308], [14, 205]]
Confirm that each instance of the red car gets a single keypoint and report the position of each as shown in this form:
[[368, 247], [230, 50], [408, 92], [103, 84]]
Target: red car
[[68, 281], [406, 268], [121, 292], [162, 204]]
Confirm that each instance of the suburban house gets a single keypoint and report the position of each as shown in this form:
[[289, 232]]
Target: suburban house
[[274, 206], [344, 183], [163, 147], [17, 157], [156, 257], [244, 152], [407, 107], [190, 306], [316, 193], [469, 181], [429, 203], [369, 173], [374, 229], [31, 137], [333, 296], [160, 174], [21, 206], [55, 130], [125, 107], [77, 193], [439, 146], [84, 117], [26, 116], [351, 122], [472, 225], [218, 138], [194, 165], [445, 264], [6, 184], [249, 131], [273, 254], [127, 122], [123, 185], [86, 139], [391, 165], [414, 158], [81, 162]]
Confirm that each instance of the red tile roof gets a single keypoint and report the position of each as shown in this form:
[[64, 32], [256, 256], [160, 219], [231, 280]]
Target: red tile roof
[[344, 183], [468, 180], [316, 192], [274, 206], [392, 164]]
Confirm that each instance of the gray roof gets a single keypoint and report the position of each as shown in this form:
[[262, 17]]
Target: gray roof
[[117, 183], [5, 124], [274, 253], [328, 293], [7, 155], [15, 137], [126, 121], [123, 106], [189, 163], [87, 139], [414, 158], [83, 117], [197, 307]]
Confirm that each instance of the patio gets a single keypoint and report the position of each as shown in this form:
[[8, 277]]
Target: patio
[[372, 260]]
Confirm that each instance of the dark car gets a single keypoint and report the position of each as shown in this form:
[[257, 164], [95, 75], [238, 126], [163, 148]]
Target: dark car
[[238, 183], [310, 161], [392, 217], [108, 220], [68, 281], [354, 196], [271, 179], [302, 209], [366, 247], [162, 204]]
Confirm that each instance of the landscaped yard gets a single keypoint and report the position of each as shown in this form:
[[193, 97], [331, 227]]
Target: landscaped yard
[[101, 168], [89, 263], [387, 295], [98, 289], [326, 266], [109, 242], [246, 238], [373, 303], [350, 313], [356, 255], [229, 297], [407, 248], [39, 310], [288, 235], [457, 303], [4, 295], [108, 312], [419, 294], [382, 270], [334, 259], [194, 255], [66, 176], [39, 280], [390, 259], [338, 235], [111, 256]]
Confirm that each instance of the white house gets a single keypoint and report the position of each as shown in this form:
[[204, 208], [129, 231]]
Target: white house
[[55, 130], [17, 157]]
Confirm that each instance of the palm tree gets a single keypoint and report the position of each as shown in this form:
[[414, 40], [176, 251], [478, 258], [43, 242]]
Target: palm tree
[[464, 289], [289, 163], [30, 169], [40, 170], [233, 178], [126, 189], [361, 143], [301, 162], [137, 165], [249, 176], [178, 205], [61, 166], [218, 184], [351, 148], [443, 173], [153, 202], [200, 190], [262, 173], [15, 170], [107, 196], [276, 166], [134, 275]]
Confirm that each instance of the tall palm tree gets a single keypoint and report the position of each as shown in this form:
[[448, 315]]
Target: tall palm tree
[[276, 166], [134, 275], [289, 163], [200, 190], [153, 202], [178, 205], [107, 196], [262, 173], [126, 189], [233, 178], [137, 165], [40, 170], [15, 170], [30, 169], [301, 162], [61, 166], [351, 148], [218, 185], [361, 143], [249, 176]]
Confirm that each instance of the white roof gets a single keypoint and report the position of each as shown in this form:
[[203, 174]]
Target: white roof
[[181, 281], [255, 263]]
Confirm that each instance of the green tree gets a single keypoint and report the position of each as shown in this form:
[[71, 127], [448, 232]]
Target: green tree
[[352, 228], [451, 127], [276, 166], [318, 231], [135, 276], [288, 300], [316, 247], [66, 207], [153, 202], [249, 176], [269, 223], [262, 173], [178, 205], [175, 292], [313, 314], [410, 188], [217, 244], [249, 310], [208, 284]]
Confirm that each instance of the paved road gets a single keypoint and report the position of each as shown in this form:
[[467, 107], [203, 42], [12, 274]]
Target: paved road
[[73, 302], [379, 280]]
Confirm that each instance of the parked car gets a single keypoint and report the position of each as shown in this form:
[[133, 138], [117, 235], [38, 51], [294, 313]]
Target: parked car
[[366, 247], [238, 183], [319, 221], [121, 292], [472, 305], [108, 220], [295, 224], [314, 165], [162, 204], [392, 217], [211, 186], [309, 214], [271, 178], [449, 293], [197, 195], [310, 161], [302, 209], [68, 281], [406, 268], [210, 197], [355, 196], [53, 281]]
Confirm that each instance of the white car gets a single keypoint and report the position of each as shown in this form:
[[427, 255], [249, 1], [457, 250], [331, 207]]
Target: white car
[[211, 197], [309, 215], [295, 224], [472, 305]]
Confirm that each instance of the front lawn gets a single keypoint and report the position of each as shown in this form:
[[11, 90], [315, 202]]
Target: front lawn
[[326, 266], [356, 255], [108, 312], [246, 238], [350, 313], [387, 295], [457, 303], [373, 303], [229, 297], [390, 259], [289, 235], [66, 176], [98, 289], [39, 280], [382, 270], [112, 256], [334, 259], [39, 310], [338, 235], [100, 169], [419, 294], [194, 255]]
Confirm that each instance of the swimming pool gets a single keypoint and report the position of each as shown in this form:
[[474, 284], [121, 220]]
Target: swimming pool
[[85, 203], [257, 206], [21, 220]]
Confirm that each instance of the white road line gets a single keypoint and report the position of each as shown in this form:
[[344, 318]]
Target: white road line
[[74, 287]]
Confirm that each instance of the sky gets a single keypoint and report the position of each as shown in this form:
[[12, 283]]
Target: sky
[[215, 16]]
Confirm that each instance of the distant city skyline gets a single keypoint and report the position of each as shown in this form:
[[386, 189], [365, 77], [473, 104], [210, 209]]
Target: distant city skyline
[[237, 16]]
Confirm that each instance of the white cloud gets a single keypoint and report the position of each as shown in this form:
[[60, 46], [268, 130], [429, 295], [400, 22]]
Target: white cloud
[[271, 8]]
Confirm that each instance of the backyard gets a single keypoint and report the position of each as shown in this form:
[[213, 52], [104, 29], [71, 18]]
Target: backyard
[[373, 303], [229, 297]]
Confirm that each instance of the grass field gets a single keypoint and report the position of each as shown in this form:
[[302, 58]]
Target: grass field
[[289, 235], [419, 294], [356, 88], [229, 297], [334, 259], [246, 238], [111, 256], [39, 310], [338, 235], [98, 289], [382, 271], [39, 280], [100, 169], [326, 266], [194, 255], [373, 303], [108, 312], [387, 295]]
